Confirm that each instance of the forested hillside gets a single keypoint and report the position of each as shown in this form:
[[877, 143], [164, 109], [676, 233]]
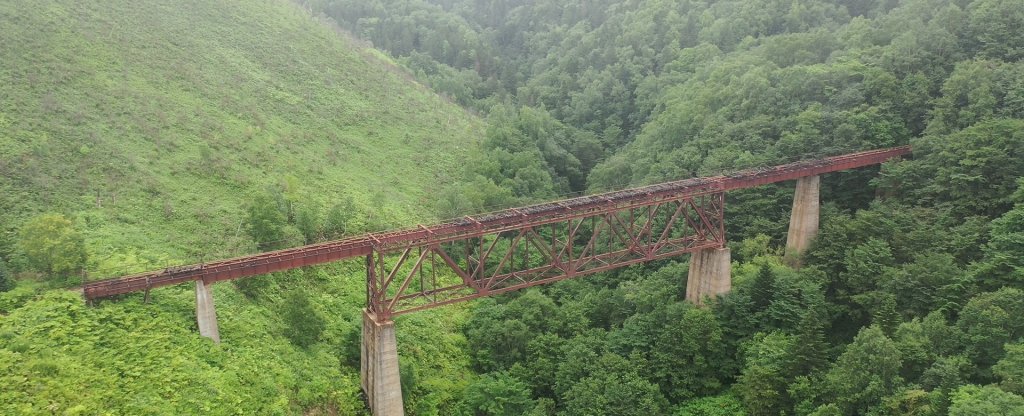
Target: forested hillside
[[907, 304], [140, 134], [700, 86]]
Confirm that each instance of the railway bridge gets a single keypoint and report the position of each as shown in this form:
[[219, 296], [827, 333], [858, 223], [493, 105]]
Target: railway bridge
[[475, 256]]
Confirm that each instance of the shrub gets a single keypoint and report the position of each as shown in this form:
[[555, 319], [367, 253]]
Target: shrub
[[52, 245]]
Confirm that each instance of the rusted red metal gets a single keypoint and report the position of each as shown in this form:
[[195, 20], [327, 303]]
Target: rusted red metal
[[624, 215], [413, 276]]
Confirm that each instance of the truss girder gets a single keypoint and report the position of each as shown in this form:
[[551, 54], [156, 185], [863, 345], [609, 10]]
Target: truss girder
[[412, 277], [534, 226]]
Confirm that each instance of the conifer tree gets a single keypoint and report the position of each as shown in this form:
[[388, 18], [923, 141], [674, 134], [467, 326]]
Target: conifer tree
[[761, 296]]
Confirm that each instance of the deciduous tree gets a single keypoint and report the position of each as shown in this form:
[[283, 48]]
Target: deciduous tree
[[498, 394], [52, 245], [266, 222], [865, 373]]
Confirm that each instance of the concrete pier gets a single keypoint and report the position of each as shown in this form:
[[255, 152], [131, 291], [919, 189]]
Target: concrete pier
[[710, 274], [206, 314], [379, 374], [803, 220]]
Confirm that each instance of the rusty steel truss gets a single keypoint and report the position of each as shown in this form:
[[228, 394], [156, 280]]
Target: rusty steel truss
[[538, 251], [481, 255]]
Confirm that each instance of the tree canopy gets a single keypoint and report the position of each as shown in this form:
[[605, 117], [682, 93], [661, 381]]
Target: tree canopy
[[907, 303]]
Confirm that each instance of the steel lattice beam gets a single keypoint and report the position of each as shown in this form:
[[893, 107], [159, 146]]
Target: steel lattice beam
[[414, 277], [529, 223]]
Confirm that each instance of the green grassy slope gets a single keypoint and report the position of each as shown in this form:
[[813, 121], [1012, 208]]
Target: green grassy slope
[[150, 123], [153, 120]]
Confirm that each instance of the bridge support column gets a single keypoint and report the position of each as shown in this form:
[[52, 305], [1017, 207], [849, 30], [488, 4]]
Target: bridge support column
[[206, 314], [710, 274], [803, 220], [379, 374]]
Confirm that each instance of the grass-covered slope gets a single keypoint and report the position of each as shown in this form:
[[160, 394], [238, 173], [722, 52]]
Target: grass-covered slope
[[151, 124], [154, 120]]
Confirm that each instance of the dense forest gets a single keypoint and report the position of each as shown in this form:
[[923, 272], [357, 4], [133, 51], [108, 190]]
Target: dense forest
[[908, 302], [909, 299]]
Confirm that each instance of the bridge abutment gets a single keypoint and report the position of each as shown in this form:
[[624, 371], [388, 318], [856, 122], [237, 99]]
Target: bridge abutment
[[710, 274], [206, 314], [379, 374], [803, 220]]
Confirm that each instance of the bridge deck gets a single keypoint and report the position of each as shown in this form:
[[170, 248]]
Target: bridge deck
[[469, 226]]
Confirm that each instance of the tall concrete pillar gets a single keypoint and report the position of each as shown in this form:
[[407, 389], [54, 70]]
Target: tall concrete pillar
[[206, 314], [803, 220], [710, 274], [379, 374]]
